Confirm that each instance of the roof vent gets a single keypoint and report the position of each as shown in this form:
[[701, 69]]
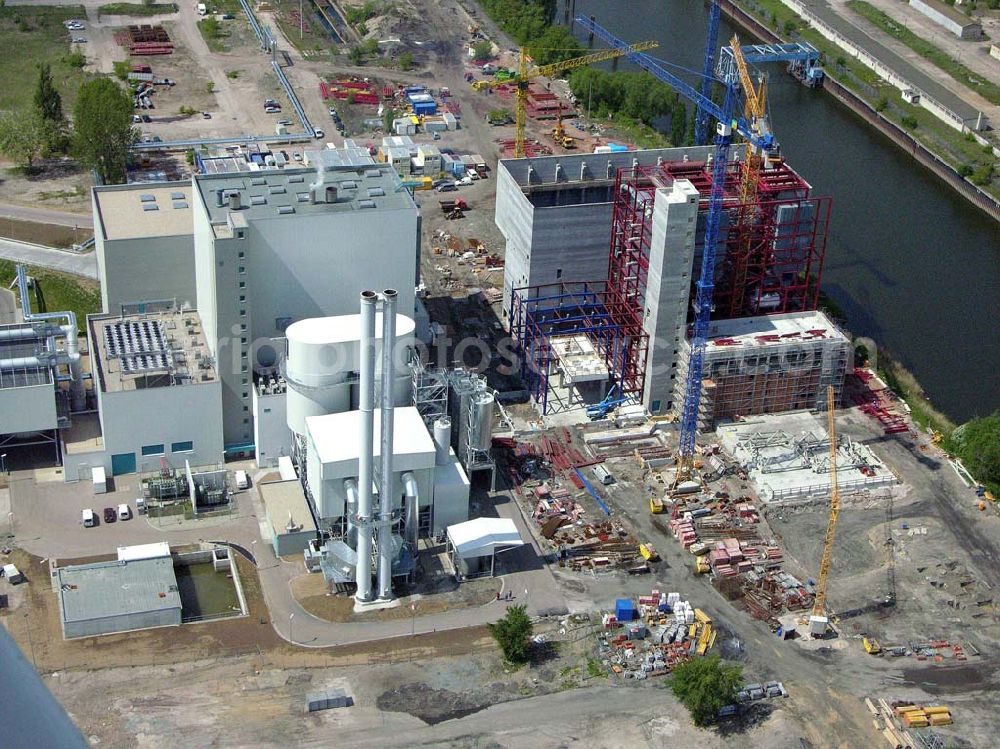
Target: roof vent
[[373, 173], [151, 207], [375, 192], [234, 200], [178, 196], [147, 198], [286, 209], [366, 204], [258, 200], [348, 185], [277, 190], [180, 204], [258, 181], [303, 197], [297, 179]]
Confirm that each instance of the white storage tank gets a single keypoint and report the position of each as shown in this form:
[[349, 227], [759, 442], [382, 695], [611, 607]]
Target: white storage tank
[[483, 403], [322, 362], [442, 440]]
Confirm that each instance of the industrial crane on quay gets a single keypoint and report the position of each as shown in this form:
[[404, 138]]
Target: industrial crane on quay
[[732, 73]]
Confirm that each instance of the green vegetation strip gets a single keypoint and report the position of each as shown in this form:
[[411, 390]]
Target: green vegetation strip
[[988, 90], [136, 9], [59, 291]]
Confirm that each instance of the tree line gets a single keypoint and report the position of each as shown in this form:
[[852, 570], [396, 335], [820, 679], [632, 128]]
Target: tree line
[[637, 96], [99, 137]]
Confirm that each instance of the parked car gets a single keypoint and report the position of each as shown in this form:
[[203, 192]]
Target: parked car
[[319, 134], [136, 118], [146, 118], [272, 110], [140, 505], [110, 515], [124, 512], [79, 40], [89, 518], [447, 187], [438, 182], [296, 156], [206, 115]]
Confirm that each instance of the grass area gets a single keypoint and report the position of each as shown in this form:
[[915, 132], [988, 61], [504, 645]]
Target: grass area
[[987, 89], [37, 34], [214, 34], [59, 291], [136, 9], [639, 133], [46, 234], [951, 145]]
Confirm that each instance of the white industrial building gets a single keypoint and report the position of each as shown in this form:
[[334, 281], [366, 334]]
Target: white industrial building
[[950, 18]]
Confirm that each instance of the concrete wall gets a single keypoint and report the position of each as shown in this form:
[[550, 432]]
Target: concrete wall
[[668, 288], [145, 269], [122, 623], [955, 21], [285, 543], [28, 409]]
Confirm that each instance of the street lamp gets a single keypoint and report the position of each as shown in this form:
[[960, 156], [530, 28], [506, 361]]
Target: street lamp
[[291, 616]]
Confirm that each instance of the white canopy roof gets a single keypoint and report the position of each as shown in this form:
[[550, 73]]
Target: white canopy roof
[[482, 536]]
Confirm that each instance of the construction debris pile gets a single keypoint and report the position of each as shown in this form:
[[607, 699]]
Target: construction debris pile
[[145, 40], [892, 719], [874, 398], [651, 639], [599, 548]]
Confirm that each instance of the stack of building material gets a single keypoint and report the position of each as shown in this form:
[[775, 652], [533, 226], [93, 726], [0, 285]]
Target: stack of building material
[[145, 40], [683, 531], [915, 716]]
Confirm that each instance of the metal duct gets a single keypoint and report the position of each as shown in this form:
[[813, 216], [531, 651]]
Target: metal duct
[[72, 354], [363, 571], [351, 490], [386, 489], [412, 508]]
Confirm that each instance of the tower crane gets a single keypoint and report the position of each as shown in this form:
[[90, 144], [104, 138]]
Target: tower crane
[[728, 125], [702, 116], [819, 620], [526, 73]]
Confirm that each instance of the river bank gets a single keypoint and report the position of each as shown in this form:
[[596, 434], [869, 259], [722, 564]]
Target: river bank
[[927, 158]]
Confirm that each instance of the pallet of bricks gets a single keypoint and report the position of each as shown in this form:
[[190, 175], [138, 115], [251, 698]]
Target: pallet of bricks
[[145, 40]]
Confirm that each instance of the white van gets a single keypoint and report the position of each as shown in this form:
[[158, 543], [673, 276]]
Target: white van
[[124, 513], [13, 574], [242, 480], [89, 519], [202, 9]]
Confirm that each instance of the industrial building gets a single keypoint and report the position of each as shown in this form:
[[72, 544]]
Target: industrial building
[[768, 364], [606, 248], [288, 516], [117, 596], [950, 18]]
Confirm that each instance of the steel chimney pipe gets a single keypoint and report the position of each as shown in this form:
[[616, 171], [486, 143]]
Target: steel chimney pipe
[[387, 490], [366, 458]]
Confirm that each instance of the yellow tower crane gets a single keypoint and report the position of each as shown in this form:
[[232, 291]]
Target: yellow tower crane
[[527, 72], [819, 620], [755, 109]]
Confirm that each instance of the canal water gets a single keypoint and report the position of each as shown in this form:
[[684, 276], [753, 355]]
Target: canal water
[[911, 264]]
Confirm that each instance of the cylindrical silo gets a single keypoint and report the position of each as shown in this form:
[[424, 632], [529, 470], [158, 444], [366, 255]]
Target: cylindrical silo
[[442, 440], [482, 438], [318, 365]]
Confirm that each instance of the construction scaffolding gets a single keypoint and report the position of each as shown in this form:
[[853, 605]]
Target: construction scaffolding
[[609, 322]]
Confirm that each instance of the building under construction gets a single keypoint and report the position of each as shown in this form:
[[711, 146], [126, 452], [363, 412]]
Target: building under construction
[[650, 212]]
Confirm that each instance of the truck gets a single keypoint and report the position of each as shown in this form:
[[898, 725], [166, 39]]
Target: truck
[[202, 9]]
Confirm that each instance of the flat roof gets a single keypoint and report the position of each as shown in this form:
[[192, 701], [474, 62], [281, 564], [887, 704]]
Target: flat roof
[[543, 168], [772, 330], [104, 589], [142, 210], [336, 437], [285, 193], [284, 501], [143, 551], [946, 10], [334, 158], [152, 349]]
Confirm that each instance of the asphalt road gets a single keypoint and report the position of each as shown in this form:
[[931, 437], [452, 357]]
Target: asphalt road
[[62, 260], [46, 215]]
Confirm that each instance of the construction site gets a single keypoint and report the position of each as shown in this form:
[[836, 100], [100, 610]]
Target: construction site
[[601, 384]]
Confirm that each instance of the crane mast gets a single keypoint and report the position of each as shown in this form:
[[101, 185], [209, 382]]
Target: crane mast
[[819, 620]]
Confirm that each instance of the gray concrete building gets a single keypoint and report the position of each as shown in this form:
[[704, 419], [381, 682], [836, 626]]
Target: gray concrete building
[[144, 239], [159, 396], [288, 516], [555, 213], [959, 24], [117, 596], [279, 246]]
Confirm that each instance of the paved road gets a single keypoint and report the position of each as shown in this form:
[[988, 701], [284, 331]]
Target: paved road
[[46, 215], [84, 264]]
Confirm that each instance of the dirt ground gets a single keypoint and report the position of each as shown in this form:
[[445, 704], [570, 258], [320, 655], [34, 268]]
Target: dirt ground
[[50, 235]]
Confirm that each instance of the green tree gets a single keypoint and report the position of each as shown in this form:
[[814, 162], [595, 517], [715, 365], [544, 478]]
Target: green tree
[[48, 102], [678, 124], [861, 355], [24, 134], [555, 45], [405, 61], [704, 685], [482, 50], [103, 132], [977, 443], [513, 634], [882, 104], [388, 115]]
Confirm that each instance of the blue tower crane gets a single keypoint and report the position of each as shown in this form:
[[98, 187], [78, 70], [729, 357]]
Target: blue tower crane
[[728, 123], [702, 117]]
